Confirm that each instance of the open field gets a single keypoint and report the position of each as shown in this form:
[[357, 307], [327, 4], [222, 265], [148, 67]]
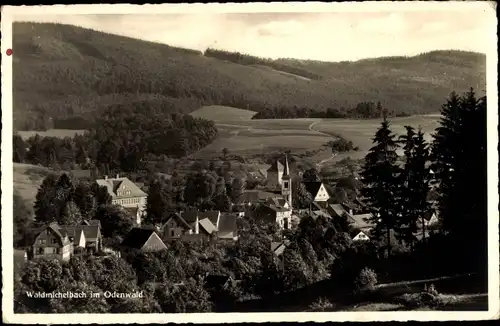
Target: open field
[[223, 113], [247, 138], [60, 133], [27, 179]]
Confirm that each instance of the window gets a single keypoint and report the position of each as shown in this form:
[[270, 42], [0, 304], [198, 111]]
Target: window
[[42, 241], [285, 184], [40, 251], [172, 233], [54, 240], [58, 250]]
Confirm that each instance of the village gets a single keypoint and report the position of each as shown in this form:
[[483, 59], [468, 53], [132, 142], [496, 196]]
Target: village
[[274, 200]]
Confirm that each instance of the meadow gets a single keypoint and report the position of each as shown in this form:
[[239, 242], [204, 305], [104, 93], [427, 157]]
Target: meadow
[[247, 138], [60, 133]]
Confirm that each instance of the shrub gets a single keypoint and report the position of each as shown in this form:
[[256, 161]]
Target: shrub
[[429, 297], [366, 279], [321, 304]]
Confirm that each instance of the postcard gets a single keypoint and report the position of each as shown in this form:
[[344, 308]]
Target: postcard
[[253, 162]]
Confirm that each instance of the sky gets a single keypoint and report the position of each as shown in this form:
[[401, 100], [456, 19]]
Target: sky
[[326, 36]]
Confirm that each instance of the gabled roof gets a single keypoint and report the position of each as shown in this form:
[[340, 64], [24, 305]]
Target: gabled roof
[[337, 208], [312, 187], [178, 217], [74, 232], [213, 216], [253, 196], [59, 233], [276, 201], [91, 222], [112, 185], [279, 247], [362, 220], [278, 208], [207, 225], [189, 217], [275, 167], [228, 222], [137, 237]]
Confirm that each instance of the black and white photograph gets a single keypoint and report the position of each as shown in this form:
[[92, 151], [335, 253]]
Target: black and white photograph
[[250, 162]]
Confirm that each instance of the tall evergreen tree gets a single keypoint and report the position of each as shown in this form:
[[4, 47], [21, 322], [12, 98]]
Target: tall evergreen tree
[[19, 149], [45, 204], [460, 164], [158, 203], [380, 178], [414, 184]]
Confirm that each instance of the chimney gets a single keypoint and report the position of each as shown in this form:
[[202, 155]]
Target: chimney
[[105, 177], [350, 212], [117, 176]]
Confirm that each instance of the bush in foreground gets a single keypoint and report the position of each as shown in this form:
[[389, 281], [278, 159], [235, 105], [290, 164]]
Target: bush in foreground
[[366, 279]]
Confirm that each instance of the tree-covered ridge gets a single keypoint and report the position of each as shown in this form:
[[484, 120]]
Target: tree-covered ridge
[[121, 140], [62, 71]]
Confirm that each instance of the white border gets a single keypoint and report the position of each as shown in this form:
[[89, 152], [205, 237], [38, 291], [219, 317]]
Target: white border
[[7, 168]]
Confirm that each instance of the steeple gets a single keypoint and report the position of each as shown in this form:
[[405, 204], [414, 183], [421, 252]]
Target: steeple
[[286, 169], [286, 185]]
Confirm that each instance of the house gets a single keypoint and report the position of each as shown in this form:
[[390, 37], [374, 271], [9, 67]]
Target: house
[[144, 240], [358, 235], [274, 176], [228, 226], [86, 235], [200, 226], [278, 248], [362, 222], [53, 242], [126, 194], [275, 214], [336, 210], [430, 219], [217, 283], [317, 190]]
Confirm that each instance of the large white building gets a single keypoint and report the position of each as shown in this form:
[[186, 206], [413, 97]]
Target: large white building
[[126, 194]]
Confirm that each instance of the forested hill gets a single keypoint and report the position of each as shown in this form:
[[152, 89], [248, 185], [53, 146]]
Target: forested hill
[[63, 71]]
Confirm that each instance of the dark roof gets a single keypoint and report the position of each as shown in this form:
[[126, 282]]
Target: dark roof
[[136, 238], [216, 281], [59, 233], [349, 205], [189, 217], [362, 221], [275, 167], [227, 223], [312, 186], [179, 218], [338, 209], [91, 222]]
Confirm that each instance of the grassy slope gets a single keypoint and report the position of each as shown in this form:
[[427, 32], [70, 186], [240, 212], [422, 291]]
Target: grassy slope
[[71, 71], [223, 113], [27, 179], [254, 137]]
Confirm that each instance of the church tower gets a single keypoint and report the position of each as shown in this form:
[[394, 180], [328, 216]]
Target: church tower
[[286, 184]]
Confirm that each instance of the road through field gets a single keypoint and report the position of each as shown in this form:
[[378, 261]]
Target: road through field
[[320, 164]]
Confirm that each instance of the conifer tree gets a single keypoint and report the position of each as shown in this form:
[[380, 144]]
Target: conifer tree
[[157, 204], [414, 184], [380, 178], [460, 164], [45, 205]]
